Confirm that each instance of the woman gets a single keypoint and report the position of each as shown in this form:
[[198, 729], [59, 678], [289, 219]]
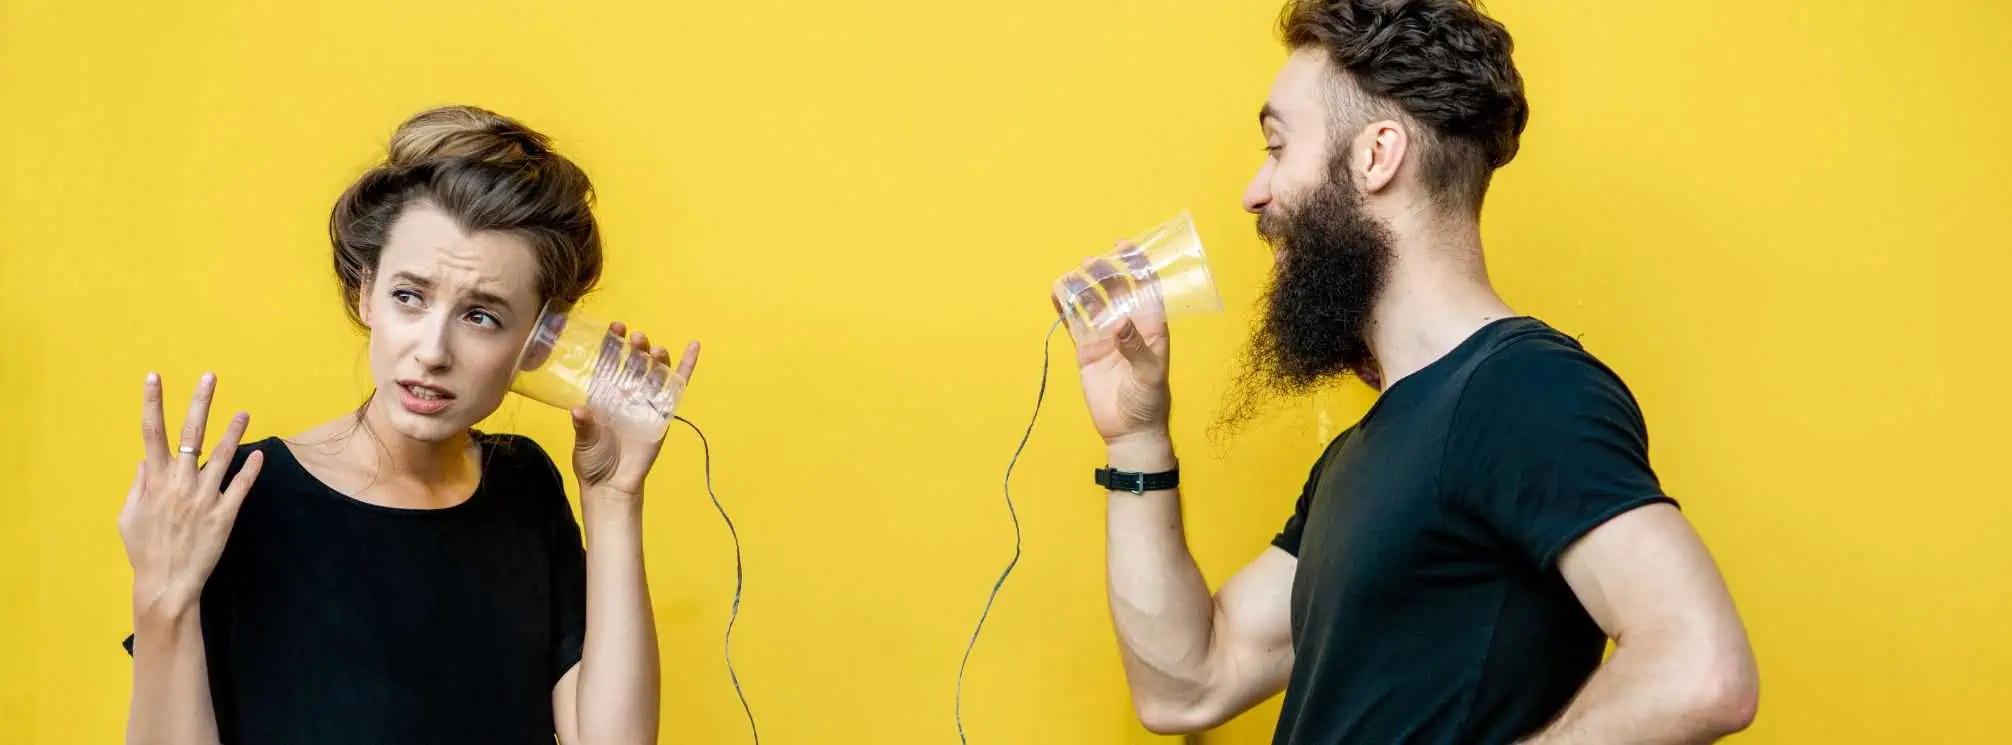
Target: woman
[[393, 576]]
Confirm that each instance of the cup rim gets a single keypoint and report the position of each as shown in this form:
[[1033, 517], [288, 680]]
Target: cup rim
[[550, 308], [1201, 249]]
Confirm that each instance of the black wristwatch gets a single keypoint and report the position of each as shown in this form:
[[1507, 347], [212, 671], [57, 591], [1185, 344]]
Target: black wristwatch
[[1137, 483]]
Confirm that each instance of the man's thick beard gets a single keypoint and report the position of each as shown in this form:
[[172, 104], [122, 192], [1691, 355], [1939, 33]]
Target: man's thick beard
[[1317, 310]]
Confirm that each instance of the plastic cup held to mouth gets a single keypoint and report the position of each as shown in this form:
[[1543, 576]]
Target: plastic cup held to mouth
[[1163, 270]]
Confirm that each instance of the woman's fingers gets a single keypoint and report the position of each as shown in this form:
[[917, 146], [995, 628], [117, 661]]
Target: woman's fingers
[[689, 362], [660, 370], [227, 449], [609, 358], [241, 484], [153, 430], [635, 368], [191, 445]]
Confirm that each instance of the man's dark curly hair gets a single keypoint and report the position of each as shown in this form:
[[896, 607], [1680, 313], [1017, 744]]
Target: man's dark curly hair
[[1442, 64]]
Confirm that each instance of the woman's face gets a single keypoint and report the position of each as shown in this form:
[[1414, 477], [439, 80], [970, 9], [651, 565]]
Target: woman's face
[[448, 314]]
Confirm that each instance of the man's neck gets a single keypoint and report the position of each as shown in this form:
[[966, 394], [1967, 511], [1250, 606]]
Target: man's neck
[[1437, 295]]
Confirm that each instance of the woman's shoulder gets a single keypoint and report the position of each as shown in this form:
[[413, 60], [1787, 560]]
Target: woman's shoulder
[[509, 453], [510, 445], [270, 449], [516, 471]]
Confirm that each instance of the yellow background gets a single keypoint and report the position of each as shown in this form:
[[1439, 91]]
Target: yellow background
[[1784, 223]]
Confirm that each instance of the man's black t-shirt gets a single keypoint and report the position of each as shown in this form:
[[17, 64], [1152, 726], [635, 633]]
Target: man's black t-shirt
[[1427, 606], [330, 620]]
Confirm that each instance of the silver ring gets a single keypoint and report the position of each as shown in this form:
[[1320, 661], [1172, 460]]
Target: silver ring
[[186, 450]]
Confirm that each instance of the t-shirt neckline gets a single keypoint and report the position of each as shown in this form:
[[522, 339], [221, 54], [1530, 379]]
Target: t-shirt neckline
[[1452, 358], [485, 452]]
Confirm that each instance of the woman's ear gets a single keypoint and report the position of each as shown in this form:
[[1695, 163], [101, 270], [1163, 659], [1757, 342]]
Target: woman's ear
[[363, 299]]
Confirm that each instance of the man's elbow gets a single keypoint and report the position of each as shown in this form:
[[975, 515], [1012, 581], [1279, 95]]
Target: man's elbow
[[1167, 717], [1725, 696]]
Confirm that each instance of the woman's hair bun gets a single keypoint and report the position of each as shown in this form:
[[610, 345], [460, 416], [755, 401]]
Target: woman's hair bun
[[465, 132]]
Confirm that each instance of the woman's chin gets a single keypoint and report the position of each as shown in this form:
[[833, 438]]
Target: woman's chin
[[428, 428]]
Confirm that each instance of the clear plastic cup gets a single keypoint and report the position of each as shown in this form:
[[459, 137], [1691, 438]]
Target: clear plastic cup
[[1164, 271], [573, 360]]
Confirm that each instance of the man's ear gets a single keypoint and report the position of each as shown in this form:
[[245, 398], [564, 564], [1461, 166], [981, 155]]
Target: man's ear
[[1379, 151]]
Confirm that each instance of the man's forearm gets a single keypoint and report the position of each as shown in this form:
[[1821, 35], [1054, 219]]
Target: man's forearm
[[171, 685], [1640, 697], [618, 662], [1160, 603]]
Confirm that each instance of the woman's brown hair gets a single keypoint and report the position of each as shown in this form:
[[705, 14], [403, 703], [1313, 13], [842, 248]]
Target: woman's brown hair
[[489, 173]]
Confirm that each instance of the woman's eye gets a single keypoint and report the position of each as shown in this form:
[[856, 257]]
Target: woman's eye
[[405, 297], [483, 319]]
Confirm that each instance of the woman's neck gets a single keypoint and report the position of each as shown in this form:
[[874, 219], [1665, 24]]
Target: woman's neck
[[361, 454], [379, 446], [363, 457]]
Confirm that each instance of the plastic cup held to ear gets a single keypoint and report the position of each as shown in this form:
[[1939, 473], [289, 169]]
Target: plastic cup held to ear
[[573, 360], [1163, 271]]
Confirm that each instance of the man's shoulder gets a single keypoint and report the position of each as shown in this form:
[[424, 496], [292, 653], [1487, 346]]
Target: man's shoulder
[[1532, 356], [1531, 373]]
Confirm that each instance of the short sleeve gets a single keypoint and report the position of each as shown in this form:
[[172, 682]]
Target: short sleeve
[[1547, 444], [568, 562], [1288, 537]]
